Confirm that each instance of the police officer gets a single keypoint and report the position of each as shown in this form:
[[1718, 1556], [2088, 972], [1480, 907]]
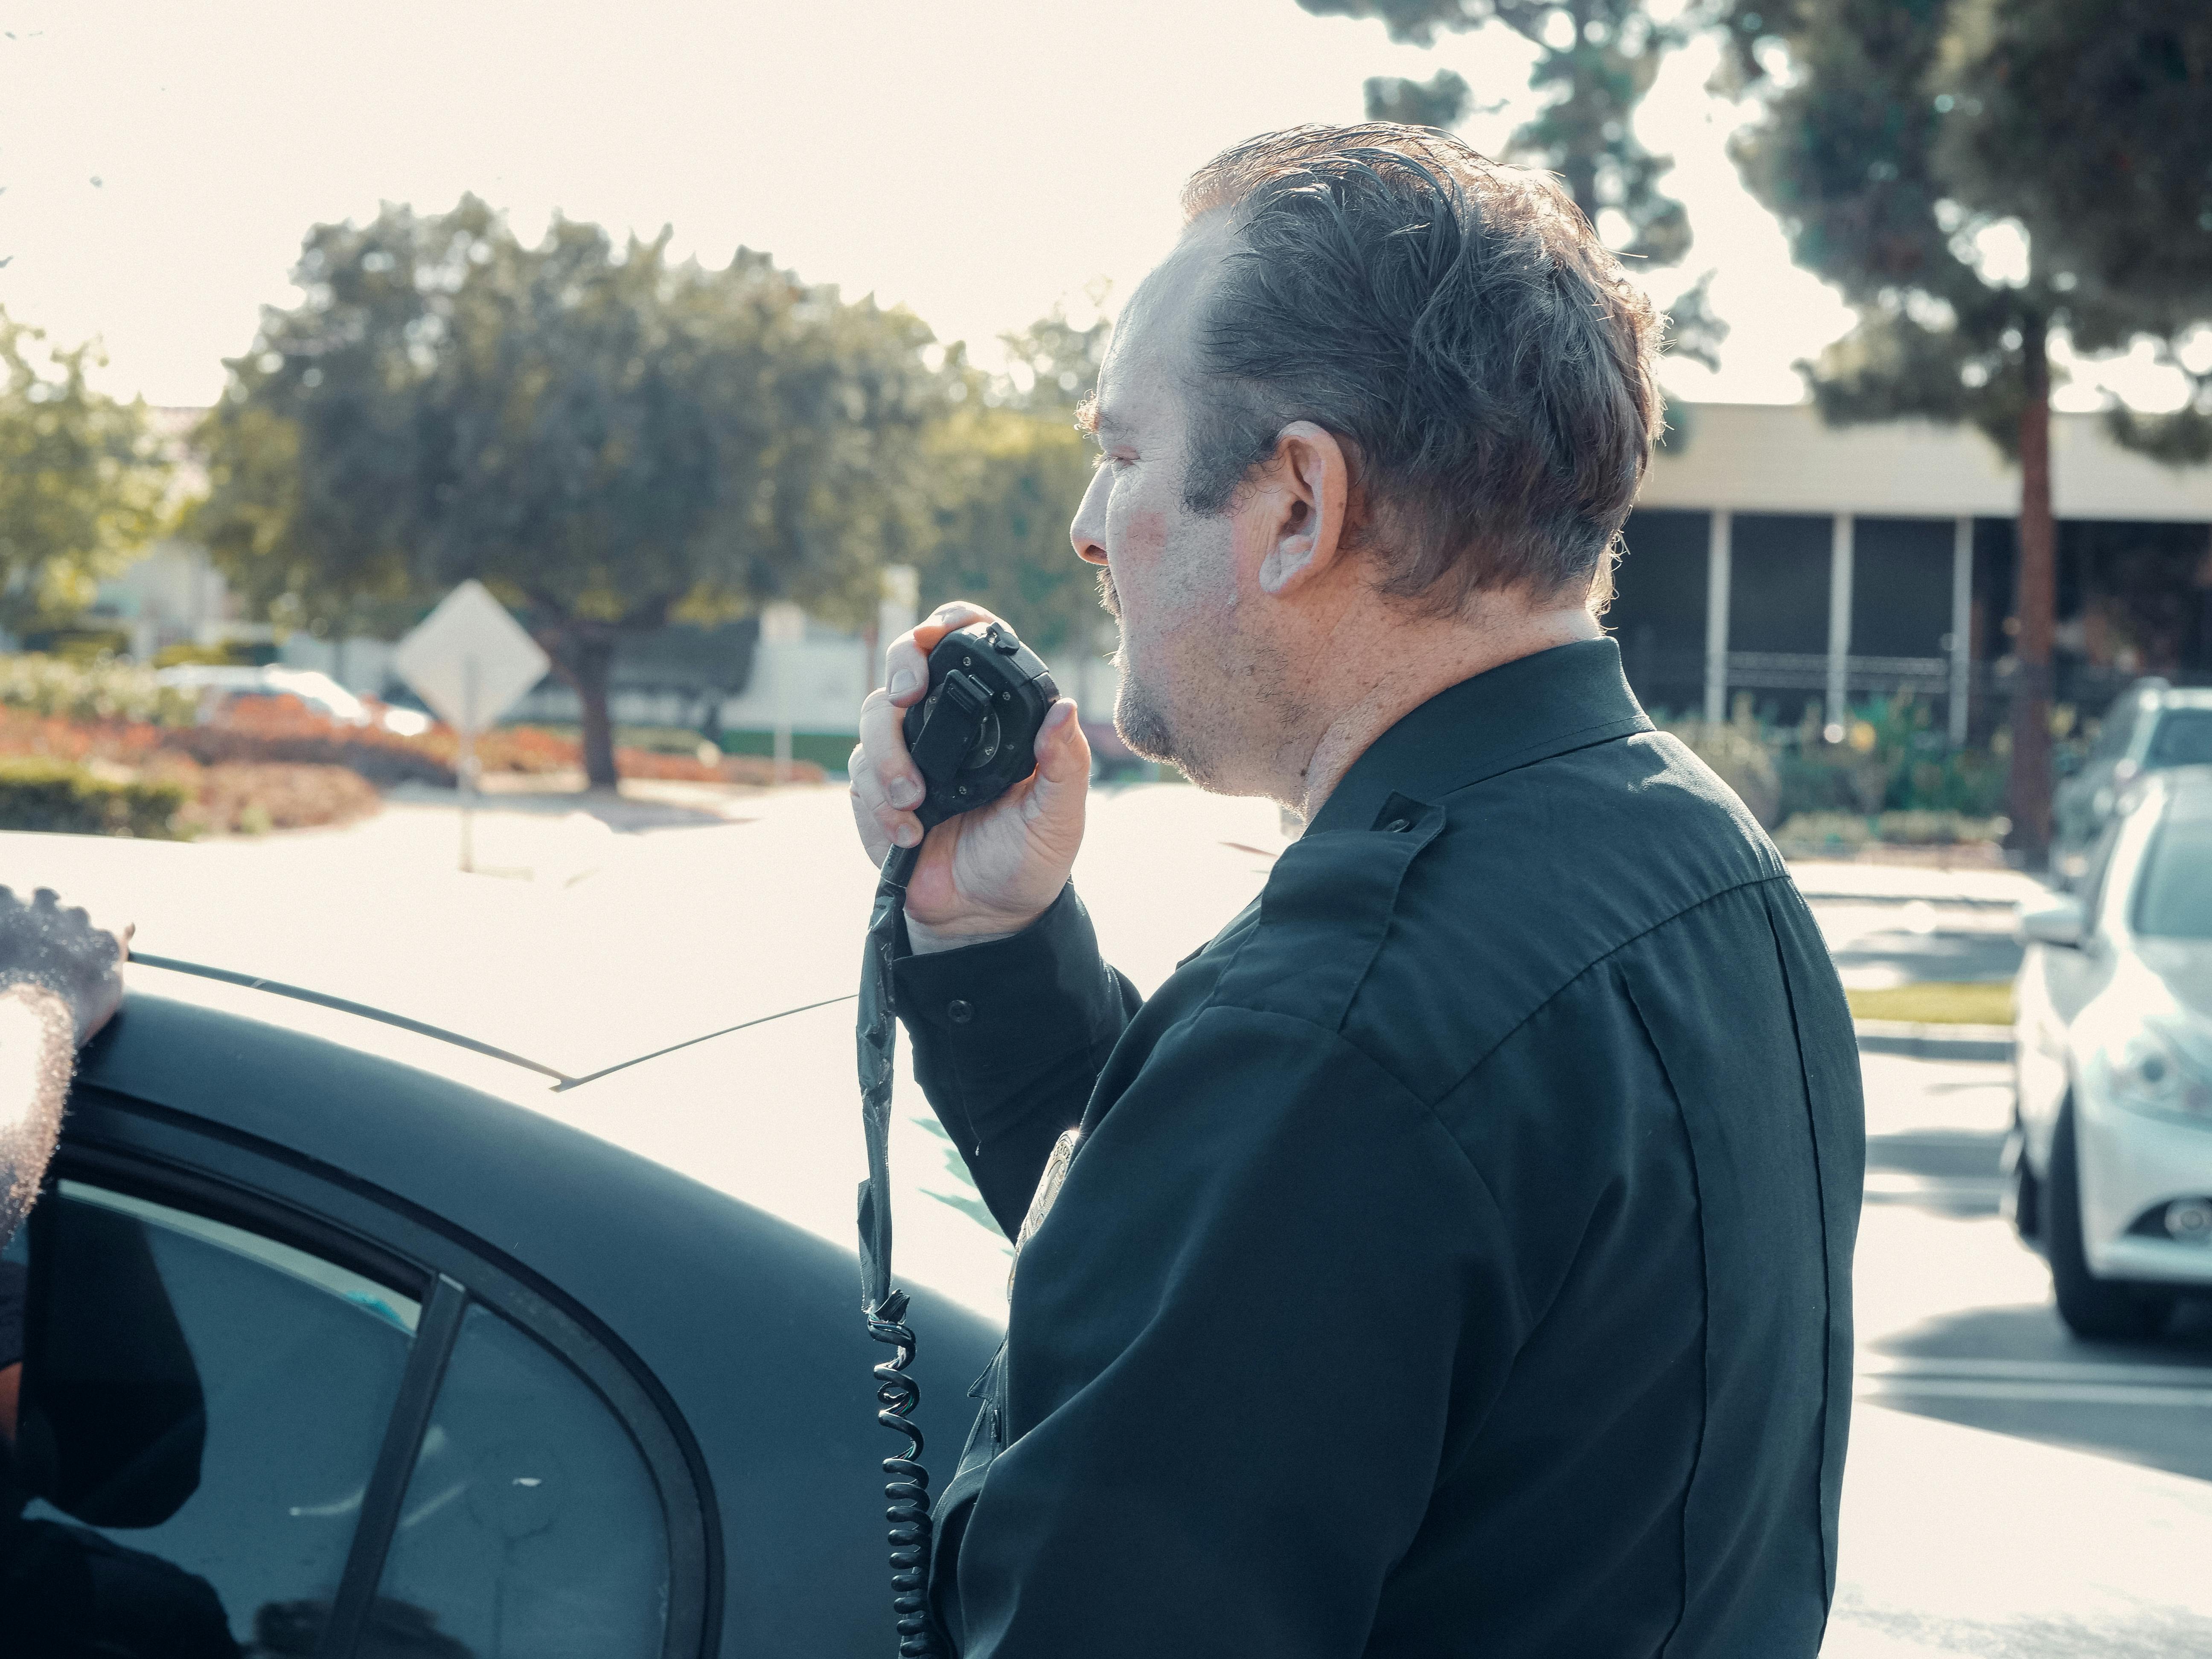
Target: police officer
[[1452, 1256]]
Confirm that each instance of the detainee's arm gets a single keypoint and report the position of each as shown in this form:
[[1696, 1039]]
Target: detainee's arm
[[59, 982], [1236, 1343], [1008, 1039]]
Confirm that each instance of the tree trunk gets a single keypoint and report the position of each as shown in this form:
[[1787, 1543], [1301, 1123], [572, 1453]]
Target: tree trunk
[[590, 672], [2029, 789], [584, 656]]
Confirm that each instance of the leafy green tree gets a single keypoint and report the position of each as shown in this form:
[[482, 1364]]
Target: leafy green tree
[[1889, 153], [2090, 122], [607, 440], [82, 485], [1009, 470], [1596, 59]]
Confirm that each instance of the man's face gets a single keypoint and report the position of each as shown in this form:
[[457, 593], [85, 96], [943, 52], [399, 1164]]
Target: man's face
[[1201, 684]]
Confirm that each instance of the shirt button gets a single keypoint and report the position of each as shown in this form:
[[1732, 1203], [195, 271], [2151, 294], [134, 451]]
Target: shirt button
[[959, 1012], [1396, 825]]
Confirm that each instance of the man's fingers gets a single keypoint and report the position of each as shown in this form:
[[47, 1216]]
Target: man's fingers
[[883, 741], [906, 665]]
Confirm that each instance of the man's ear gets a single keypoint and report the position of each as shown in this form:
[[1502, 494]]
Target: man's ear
[[1304, 499]]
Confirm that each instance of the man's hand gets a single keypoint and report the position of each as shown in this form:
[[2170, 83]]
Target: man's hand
[[42, 944], [985, 873], [59, 983]]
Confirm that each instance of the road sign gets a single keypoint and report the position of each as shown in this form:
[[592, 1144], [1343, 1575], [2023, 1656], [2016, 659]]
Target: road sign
[[470, 661]]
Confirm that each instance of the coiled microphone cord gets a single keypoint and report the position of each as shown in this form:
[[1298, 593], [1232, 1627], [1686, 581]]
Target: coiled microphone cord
[[907, 1488], [898, 1395]]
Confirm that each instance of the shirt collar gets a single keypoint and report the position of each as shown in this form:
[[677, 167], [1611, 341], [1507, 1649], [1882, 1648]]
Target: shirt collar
[[1513, 715]]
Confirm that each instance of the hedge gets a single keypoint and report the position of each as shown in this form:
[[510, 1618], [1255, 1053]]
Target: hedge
[[39, 793]]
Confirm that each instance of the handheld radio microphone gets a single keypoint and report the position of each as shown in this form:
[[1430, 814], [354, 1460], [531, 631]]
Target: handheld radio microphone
[[973, 736]]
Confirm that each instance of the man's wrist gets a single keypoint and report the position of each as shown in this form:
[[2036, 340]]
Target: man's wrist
[[924, 940]]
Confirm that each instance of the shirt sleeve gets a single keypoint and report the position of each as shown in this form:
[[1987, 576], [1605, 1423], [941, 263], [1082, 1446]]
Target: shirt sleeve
[[1227, 1429], [1008, 1039]]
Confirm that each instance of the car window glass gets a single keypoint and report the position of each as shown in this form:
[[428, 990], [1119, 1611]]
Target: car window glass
[[2183, 737], [2174, 896], [2112, 735], [531, 1526], [2091, 887], [198, 1413]]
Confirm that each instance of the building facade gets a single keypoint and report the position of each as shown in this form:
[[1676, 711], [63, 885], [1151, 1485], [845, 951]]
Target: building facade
[[1812, 567]]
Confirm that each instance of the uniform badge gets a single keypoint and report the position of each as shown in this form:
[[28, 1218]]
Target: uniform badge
[[1046, 1193]]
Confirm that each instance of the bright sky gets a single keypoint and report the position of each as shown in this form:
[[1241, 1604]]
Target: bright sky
[[976, 160]]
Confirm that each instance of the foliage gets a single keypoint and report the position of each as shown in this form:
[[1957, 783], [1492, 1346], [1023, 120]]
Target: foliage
[[1597, 60], [1815, 835], [81, 486], [1010, 470], [607, 440], [253, 798], [42, 793], [1915, 147], [103, 689], [1739, 753], [1442, 100], [1929, 159]]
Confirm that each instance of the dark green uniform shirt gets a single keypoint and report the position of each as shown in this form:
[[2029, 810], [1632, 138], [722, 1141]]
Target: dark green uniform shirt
[[1456, 1258]]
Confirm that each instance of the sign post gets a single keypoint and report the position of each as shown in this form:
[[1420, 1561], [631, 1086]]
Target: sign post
[[470, 661], [784, 627]]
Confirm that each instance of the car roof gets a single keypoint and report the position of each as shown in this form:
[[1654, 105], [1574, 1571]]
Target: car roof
[[767, 1115], [572, 979], [2179, 696]]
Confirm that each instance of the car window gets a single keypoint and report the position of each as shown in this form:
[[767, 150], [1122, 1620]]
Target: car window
[[2114, 731], [198, 1413], [2173, 895], [2183, 737], [531, 1525], [2091, 885]]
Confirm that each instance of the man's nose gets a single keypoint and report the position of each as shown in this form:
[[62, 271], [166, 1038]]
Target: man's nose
[[1088, 531]]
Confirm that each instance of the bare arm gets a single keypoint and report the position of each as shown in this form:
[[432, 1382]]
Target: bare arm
[[60, 980]]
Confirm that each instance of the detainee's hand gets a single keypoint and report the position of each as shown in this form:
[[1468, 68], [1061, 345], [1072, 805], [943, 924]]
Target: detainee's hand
[[985, 873], [43, 944]]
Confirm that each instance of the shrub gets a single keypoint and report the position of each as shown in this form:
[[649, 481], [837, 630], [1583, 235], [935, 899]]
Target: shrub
[[1736, 751], [1841, 834], [252, 800], [101, 689], [38, 792]]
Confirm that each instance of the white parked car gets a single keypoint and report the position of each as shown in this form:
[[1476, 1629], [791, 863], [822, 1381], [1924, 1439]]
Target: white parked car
[[217, 684], [2110, 1160]]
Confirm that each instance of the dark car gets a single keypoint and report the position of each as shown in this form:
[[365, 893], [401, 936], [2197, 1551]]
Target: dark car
[[347, 1332], [2151, 727]]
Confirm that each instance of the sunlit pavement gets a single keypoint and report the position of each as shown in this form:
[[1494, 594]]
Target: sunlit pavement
[[2011, 1493], [2011, 1490]]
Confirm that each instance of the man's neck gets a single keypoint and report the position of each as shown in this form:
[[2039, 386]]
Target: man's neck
[[1409, 663]]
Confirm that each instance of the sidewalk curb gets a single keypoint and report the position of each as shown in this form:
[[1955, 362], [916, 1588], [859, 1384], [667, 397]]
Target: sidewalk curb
[[1919, 1042]]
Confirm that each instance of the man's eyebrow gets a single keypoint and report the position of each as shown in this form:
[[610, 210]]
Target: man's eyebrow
[[1094, 422]]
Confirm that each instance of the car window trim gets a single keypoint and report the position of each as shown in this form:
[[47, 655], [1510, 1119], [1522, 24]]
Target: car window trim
[[386, 1491], [232, 1174]]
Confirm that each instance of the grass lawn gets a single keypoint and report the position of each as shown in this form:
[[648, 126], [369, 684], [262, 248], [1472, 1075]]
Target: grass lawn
[[1937, 1002]]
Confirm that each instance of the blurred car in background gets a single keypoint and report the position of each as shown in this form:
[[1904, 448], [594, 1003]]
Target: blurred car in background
[[2110, 1159], [219, 684], [2150, 728]]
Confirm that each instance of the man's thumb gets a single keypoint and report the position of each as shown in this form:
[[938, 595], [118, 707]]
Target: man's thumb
[[1063, 753]]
